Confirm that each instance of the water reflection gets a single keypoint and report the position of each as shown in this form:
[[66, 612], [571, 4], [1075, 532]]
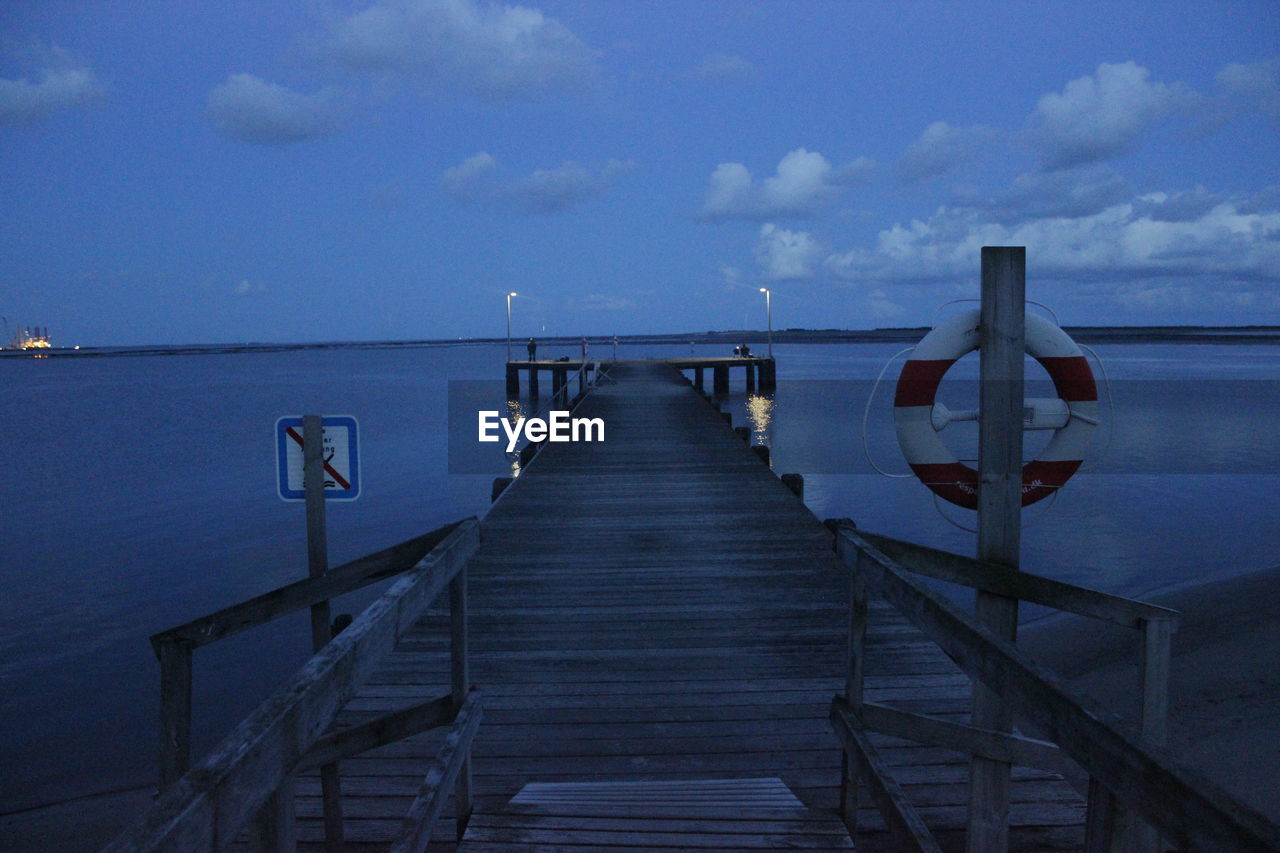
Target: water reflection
[[760, 416], [514, 413]]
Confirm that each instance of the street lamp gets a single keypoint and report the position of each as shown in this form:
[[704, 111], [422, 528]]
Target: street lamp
[[768, 310], [509, 295]]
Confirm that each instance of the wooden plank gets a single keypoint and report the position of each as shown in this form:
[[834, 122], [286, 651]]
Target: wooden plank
[[207, 807], [385, 729], [1000, 580], [175, 709], [908, 829], [415, 831], [304, 593], [1191, 810], [999, 746]]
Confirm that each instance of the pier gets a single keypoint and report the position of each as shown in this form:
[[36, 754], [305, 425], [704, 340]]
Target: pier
[[757, 372], [651, 643]]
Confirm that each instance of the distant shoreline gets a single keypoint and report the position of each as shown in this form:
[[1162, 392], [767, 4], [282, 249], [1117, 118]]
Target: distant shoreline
[[1083, 334]]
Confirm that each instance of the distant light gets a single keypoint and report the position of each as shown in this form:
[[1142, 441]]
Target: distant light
[[764, 290], [513, 293], [77, 346]]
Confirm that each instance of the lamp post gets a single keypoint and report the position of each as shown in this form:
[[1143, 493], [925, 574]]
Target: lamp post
[[768, 310], [509, 295]]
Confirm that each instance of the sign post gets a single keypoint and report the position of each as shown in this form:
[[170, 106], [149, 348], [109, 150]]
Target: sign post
[[318, 459], [1002, 345]]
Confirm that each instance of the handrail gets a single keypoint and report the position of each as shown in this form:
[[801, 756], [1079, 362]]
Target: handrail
[[299, 595], [1189, 809], [1001, 580], [208, 806], [175, 647]]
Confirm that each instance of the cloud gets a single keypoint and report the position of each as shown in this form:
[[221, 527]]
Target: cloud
[[1128, 240], [726, 68], [784, 254], [494, 51], [477, 180], [252, 110], [601, 302], [882, 307], [804, 182], [1067, 193], [942, 148], [1258, 83], [1102, 115], [62, 84]]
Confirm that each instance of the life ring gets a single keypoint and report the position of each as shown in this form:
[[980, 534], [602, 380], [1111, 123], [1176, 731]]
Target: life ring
[[913, 409]]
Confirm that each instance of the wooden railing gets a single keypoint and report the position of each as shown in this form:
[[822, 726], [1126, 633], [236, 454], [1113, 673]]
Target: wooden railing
[[1123, 775], [246, 781]]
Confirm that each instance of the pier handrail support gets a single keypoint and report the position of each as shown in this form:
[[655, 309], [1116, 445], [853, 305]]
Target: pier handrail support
[[1122, 772], [247, 778]]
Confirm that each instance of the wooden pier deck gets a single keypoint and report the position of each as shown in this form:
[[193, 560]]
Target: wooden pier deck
[[658, 626]]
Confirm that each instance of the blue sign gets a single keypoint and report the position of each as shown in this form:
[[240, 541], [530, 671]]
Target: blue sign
[[341, 454]]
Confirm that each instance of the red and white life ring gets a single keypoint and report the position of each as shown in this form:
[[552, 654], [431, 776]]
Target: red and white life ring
[[913, 412]]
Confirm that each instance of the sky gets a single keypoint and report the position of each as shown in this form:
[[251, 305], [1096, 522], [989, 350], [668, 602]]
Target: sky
[[345, 171]]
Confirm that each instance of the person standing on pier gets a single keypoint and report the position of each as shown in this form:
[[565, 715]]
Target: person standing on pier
[[533, 349], [584, 349]]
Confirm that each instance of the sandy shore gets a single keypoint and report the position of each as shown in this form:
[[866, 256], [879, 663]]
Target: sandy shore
[[1224, 715], [1224, 704]]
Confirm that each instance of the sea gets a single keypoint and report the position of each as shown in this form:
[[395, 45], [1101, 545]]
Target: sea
[[140, 491]]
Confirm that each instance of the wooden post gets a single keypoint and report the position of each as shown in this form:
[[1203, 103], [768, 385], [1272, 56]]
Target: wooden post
[[534, 392], [175, 710], [768, 375], [751, 377], [720, 379], [794, 482], [513, 380], [274, 828], [461, 684], [1002, 344], [1137, 836], [853, 681], [559, 379], [317, 565], [697, 379]]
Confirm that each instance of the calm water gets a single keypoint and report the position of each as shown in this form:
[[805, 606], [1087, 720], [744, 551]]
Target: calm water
[[139, 492]]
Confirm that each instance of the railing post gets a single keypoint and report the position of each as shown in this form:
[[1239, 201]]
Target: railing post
[[321, 626], [274, 828], [461, 684], [175, 709], [1153, 716], [1002, 344], [1100, 819], [855, 670]]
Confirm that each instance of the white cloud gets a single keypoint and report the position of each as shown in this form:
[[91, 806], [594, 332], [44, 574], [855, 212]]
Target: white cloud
[[252, 110], [1258, 82], [784, 254], [726, 68], [1101, 115], [491, 50], [474, 179], [942, 148], [1124, 241], [477, 180], [1067, 193], [882, 307], [601, 302], [804, 182], [61, 85]]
